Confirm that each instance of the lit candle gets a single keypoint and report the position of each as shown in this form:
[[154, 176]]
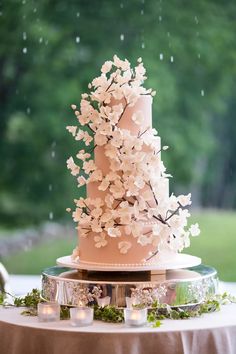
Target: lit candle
[[81, 316], [48, 311], [104, 301], [135, 317]]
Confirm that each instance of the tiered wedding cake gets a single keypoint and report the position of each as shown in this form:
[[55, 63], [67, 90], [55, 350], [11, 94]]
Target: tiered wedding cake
[[127, 217]]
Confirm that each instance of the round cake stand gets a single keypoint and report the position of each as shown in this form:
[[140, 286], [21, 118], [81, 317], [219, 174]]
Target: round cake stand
[[176, 287], [179, 260]]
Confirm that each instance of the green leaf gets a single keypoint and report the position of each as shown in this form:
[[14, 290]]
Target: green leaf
[[157, 324]]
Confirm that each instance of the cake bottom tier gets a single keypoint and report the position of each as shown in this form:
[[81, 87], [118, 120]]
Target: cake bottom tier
[[122, 250], [178, 287]]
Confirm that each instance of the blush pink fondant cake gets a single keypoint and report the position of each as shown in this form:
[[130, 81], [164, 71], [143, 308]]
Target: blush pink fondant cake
[[127, 216]]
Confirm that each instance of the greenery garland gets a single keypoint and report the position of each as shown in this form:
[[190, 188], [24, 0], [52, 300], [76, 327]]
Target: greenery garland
[[113, 314]]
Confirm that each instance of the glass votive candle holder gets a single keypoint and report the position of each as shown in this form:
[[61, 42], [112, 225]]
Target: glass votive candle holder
[[135, 316], [48, 311], [104, 301], [81, 316]]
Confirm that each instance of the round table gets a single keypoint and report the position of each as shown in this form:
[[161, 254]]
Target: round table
[[209, 334]]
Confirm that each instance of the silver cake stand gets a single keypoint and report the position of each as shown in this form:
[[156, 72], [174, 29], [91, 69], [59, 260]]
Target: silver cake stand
[[185, 282]]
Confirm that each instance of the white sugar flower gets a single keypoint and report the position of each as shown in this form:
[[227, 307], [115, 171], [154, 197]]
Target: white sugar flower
[[117, 138], [138, 144], [147, 195], [184, 214], [194, 229], [125, 219], [99, 81], [144, 240], [117, 189], [89, 166], [85, 220], [118, 92], [175, 222], [140, 72], [124, 213], [83, 119], [87, 138], [104, 185], [141, 204], [113, 232], [138, 117], [122, 64], [116, 114], [72, 129], [79, 135], [111, 151], [136, 229], [156, 230], [77, 214], [72, 166], [173, 202], [105, 128], [106, 216], [114, 165], [139, 182], [176, 243], [105, 112], [112, 176], [100, 240], [96, 213], [82, 155], [154, 131], [118, 108], [100, 139], [96, 226], [109, 224], [106, 67], [125, 65], [81, 181], [96, 176], [80, 203], [150, 213], [124, 246], [131, 96], [109, 199], [186, 239], [127, 165], [185, 200]]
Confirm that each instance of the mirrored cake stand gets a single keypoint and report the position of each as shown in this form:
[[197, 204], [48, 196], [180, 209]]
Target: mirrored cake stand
[[182, 282]]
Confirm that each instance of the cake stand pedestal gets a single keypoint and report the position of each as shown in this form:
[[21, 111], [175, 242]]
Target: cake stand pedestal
[[177, 286]]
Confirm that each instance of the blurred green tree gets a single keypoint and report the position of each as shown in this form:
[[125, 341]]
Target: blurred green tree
[[50, 50]]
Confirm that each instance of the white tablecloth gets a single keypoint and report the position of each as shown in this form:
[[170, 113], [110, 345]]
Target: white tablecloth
[[209, 334]]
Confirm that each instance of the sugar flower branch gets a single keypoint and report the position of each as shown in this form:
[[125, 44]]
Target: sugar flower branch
[[134, 189]]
